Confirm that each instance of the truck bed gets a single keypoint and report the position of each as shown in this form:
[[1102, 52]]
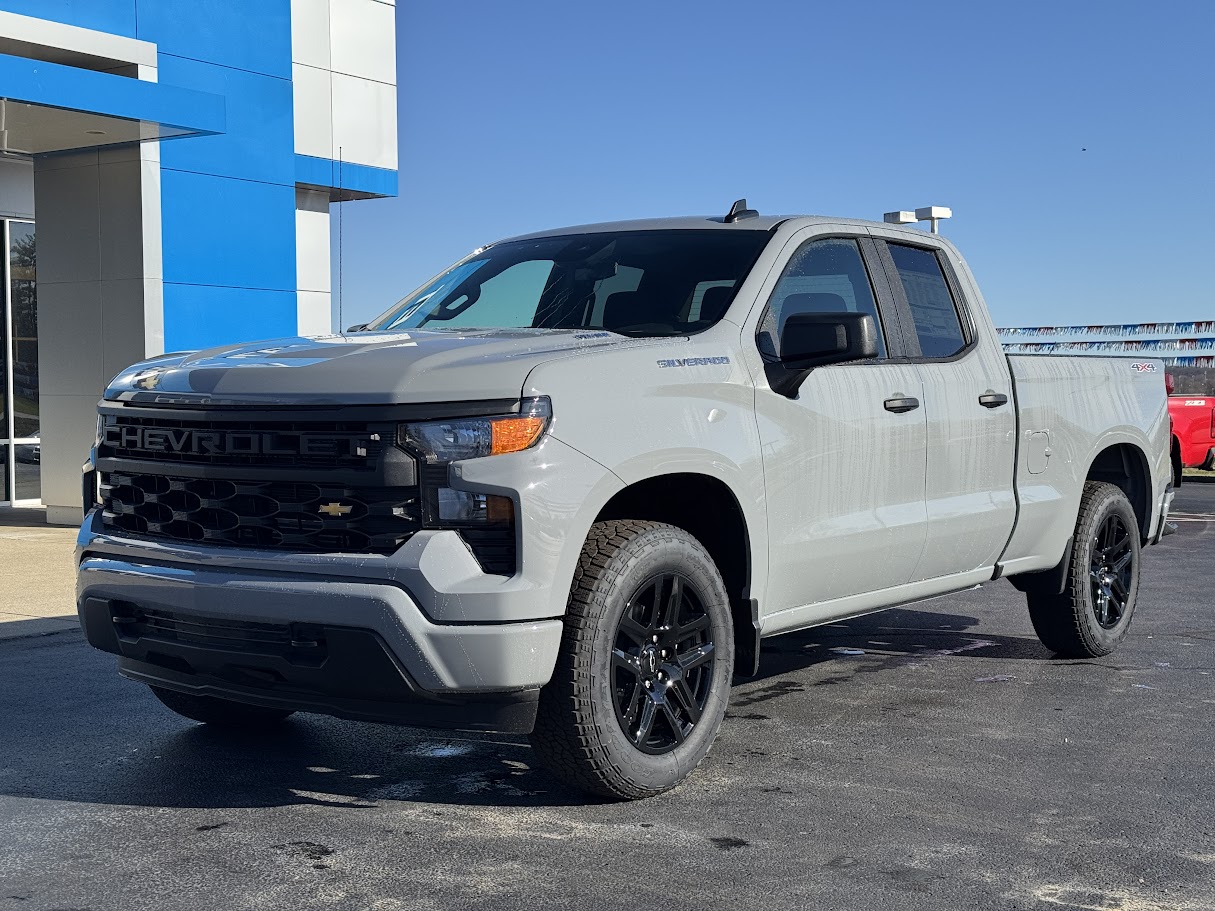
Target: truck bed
[[1069, 410]]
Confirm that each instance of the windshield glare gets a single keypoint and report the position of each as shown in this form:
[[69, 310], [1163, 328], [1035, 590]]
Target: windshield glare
[[639, 283]]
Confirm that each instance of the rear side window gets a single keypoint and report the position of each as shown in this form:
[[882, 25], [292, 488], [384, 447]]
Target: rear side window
[[824, 276], [937, 324]]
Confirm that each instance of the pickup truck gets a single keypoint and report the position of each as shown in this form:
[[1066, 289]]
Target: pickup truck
[[1193, 430], [569, 485]]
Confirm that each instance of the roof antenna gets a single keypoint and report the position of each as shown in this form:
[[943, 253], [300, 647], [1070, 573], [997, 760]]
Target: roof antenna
[[739, 211]]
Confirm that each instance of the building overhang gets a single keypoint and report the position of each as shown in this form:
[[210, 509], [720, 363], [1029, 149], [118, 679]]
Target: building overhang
[[47, 107], [344, 181]]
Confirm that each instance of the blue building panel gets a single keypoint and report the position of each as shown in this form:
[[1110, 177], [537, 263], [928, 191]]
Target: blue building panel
[[259, 140], [227, 232], [353, 179], [56, 86], [253, 35], [115, 16], [199, 317]]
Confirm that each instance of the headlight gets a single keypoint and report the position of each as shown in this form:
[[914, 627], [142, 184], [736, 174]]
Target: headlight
[[472, 438]]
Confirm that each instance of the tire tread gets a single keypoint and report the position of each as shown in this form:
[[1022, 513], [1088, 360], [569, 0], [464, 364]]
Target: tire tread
[[565, 733], [1060, 619]]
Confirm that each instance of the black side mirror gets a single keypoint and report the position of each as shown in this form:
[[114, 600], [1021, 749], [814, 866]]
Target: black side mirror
[[357, 327], [810, 340]]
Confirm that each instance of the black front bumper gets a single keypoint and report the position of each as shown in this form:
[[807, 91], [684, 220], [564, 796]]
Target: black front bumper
[[331, 670]]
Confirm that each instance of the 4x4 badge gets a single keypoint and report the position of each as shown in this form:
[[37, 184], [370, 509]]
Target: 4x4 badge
[[336, 509]]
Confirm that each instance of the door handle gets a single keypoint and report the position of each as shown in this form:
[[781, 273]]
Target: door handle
[[991, 399], [900, 404]]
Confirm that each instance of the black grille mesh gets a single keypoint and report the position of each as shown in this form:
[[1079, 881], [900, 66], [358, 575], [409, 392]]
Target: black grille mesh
[[296, 641], [318, 518]]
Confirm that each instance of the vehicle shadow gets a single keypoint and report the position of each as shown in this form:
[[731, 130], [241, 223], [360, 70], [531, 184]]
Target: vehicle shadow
[[74, 731], [886, 641]]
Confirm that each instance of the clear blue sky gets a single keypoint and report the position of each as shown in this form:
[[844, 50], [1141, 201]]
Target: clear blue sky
[[518, 116]]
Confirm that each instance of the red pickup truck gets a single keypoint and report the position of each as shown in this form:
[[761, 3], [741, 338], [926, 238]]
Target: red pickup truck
[[1193, 419]]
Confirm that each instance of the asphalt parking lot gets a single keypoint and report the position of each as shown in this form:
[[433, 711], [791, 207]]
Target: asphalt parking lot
[[930, 757]]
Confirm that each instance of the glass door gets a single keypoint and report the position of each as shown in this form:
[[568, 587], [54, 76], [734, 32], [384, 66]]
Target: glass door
[[20, 446]]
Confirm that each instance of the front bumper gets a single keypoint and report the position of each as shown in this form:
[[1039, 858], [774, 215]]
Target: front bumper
[[356, 649]]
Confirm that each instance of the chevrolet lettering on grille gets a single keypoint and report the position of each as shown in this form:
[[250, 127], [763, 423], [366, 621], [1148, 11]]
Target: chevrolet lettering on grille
[[221, 442]]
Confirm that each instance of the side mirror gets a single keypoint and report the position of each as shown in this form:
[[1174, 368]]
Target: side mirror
[[815, 339], [810, 340], [357, 327]]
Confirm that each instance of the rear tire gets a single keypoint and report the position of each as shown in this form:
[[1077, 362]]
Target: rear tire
[[222, 713], [1093, 612], [643, 676]]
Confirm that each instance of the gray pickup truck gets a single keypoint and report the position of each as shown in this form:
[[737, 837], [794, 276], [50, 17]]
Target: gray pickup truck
[[568, 486]]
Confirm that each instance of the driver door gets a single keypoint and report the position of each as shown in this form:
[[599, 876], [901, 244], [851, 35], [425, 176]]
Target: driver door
[[844, 457]]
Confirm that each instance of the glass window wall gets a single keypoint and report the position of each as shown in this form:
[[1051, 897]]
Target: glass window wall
[[20, 445]]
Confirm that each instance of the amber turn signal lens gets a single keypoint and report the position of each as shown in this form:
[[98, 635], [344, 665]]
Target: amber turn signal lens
[[514, 434], [499, 510]]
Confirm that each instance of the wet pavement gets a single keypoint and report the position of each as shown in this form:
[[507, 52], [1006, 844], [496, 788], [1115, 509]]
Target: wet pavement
[[929, 757]]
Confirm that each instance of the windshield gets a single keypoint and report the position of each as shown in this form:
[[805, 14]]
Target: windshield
[[638, 283]]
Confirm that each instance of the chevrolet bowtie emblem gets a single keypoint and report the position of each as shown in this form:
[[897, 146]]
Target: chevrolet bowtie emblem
[[336, 509], [148, 379]]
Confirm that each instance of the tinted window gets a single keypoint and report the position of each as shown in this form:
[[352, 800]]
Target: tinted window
[[638, 283], [824, 276], [932, 306]]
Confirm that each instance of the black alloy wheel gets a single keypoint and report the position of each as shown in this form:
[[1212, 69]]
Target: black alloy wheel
[[1087, 612], [662, 663], [1111, 571], [642, 679]]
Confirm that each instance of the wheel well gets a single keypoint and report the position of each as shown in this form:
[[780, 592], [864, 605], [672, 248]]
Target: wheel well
[[1124, 466], [708, 510]]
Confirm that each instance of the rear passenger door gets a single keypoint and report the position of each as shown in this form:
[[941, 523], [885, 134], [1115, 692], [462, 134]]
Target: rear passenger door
[[843, 456], [968, 405]]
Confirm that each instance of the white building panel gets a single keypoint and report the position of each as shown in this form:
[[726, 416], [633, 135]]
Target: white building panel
[[313, 98], [312, 240], [364, 122], [310, 33], [364, 39], [314, 312], [312, 256]]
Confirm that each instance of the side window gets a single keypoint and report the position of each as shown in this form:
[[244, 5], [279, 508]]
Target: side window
[[824, 276], [932, 306]]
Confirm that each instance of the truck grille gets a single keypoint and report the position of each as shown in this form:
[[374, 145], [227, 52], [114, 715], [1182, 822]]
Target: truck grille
[[292, 481], [294, 642], [320, 518]]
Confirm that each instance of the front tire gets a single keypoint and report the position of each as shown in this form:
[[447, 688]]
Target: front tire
[[643, 676], [1093, 612], [223, 713]]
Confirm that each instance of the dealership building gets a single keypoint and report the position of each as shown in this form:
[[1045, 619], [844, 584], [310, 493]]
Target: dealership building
[[167, 169]]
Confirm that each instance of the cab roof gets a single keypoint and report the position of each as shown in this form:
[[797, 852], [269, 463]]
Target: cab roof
[[690, 223]]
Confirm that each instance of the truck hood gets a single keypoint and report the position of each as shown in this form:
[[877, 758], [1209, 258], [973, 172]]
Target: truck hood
[[362, 368]]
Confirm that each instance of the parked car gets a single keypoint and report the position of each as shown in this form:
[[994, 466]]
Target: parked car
[[30, 452], [25, 452], [568, 486]]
